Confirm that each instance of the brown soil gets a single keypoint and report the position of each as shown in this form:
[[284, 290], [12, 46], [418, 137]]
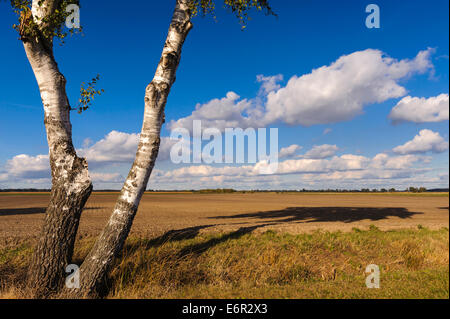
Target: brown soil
[[21, 215]]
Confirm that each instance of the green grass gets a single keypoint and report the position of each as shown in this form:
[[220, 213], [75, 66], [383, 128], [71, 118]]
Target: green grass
[[413, 264]]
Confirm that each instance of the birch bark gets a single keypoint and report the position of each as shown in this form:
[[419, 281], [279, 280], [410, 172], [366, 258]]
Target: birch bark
[[110, 242], [71, 184]]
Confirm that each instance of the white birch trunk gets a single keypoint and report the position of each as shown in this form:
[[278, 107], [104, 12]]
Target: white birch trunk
[[71, 184], [95, 267]]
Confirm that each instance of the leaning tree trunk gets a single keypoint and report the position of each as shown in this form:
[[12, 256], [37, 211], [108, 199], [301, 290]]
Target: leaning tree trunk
[[108, 245], [71, 184]]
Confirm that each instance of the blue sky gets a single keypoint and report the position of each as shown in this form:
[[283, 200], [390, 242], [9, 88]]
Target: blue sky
[[123, 44]]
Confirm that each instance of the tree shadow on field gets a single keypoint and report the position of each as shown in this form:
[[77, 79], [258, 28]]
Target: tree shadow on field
[[177, 235], [167, 237], [21, 211], [174, 271], [198, 249], [326, 214], [190, 233], [276, 217], [31, 210]]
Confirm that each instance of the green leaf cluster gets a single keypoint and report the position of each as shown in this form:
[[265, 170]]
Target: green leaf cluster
[[240, 8], [47, 27], [87, 94]]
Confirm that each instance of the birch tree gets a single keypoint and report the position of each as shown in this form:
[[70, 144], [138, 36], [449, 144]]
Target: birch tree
[[39, 23], [71, 185]]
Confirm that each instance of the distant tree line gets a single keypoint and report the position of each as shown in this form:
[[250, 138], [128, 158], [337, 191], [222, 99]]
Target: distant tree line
[[410, 189]]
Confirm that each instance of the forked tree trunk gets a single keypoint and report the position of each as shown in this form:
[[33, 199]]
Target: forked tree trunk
[[109, 244], [71, 184]]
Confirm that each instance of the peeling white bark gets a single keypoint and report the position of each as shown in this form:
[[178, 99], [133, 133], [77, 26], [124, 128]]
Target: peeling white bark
[[71, 184], [57, 118]]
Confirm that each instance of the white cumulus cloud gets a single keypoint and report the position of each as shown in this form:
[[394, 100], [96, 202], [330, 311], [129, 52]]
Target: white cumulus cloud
[[26, 166], [120, 147], [321, 151], [348, 167], [114, 147], [289, 151], [425, 141], [228, 111], [269, 83], [421, 110], [329, 94], [340, 91]]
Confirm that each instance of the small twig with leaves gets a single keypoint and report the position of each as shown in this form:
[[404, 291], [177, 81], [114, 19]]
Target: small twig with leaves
[[240, 8], [87, 94]]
